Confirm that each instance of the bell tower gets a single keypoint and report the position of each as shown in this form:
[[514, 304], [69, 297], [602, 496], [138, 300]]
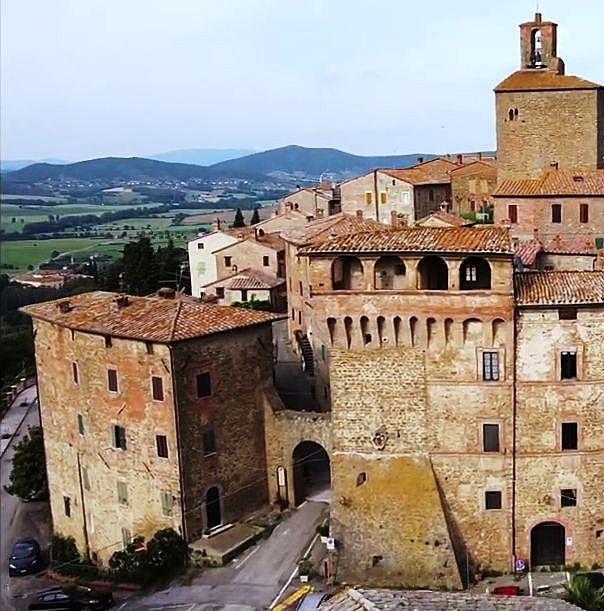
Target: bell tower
[[538, 42]]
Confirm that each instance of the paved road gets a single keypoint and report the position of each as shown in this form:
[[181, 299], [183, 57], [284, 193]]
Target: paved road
[[19, 418], [250, 582]]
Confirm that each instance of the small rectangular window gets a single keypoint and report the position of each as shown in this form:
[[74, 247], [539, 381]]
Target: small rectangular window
[[570, 437], [492, 499], [584, 213], [122, 493], [227, 261], [209, 443], [67, 506], [85, 479], [568, 497], [81, 429], [161, 443], [119, 437], [112, 380], [204, 385], [220, 292], [490, 366], [471, 273], [167, 503], [383, 197], [243, 295], [368, 197], [75, 373], [568, 365], [199, 245], [108, 342], [567, 313], [158, 388], [299, 317], [556, 213], [265, 261], [513, 213], [126, 537], [490, 437]]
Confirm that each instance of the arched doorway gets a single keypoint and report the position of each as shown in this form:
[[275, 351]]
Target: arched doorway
[[547, 544], [432, 274], [213, 513], [312, 475]]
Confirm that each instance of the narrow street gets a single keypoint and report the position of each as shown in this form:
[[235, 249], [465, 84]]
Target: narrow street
[[249, 582]]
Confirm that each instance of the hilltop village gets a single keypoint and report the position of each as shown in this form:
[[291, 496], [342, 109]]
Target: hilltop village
[[438, 380]]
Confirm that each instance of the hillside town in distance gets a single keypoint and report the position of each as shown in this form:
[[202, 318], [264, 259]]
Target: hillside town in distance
[[386, 393]]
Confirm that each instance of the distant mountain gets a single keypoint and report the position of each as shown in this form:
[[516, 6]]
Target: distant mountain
[[118, 169], [313, 162], [9, 165], [201, 156]]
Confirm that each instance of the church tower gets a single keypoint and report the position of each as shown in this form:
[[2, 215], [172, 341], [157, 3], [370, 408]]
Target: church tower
[[546, 118]]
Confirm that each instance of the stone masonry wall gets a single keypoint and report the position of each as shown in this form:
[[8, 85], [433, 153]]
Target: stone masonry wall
[[240, 368], [563, 126], [145, 475]]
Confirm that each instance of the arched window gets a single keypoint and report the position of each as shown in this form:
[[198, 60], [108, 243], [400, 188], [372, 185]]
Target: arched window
[[448, 330], [498, 330], [348, 329], [432, 274], [365, 330], [430, 329], [536, 48], [511, 114], [346, 274], [389, 273], [331, 326], [472, 331], [381, 324], [397, 329], [413, 329], [474, 273]]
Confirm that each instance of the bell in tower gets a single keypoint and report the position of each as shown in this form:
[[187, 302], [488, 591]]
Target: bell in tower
[[538, 42]]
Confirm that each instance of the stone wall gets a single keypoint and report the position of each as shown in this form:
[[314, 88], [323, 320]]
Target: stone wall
[[472, 187], [240, 368], [244, 254], [102, 465], [563, 125]]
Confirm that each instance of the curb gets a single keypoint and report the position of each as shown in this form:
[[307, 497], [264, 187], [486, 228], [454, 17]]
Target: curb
[[16, 431]]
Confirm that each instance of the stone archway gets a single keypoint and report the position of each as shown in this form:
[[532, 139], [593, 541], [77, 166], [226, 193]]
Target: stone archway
[[312, 472], [548, 541]]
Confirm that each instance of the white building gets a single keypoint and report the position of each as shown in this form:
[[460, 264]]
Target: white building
[[202, 262]]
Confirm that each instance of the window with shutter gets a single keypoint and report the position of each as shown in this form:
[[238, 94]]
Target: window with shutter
[[158, 388], [161, 443], [490, 437], [167, 503], [119, 437], [112, 380], [81, 424], [122, 493]]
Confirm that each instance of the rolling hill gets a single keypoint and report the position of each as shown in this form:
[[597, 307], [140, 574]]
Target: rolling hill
[[201, 156], [313, 162]]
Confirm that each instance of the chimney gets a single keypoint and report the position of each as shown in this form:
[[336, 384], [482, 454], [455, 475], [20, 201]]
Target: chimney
[[459, 158], [64, 306], [216, 224], [165, 292], [121, 301], [479, 155], [359, 214], [420, 160], [553, 165]]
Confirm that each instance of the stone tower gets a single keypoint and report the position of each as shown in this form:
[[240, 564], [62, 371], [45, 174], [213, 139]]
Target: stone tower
[[546, 118]]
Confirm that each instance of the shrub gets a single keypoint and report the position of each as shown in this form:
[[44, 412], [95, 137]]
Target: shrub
[[28, 475], [581, 593], [63, 550]]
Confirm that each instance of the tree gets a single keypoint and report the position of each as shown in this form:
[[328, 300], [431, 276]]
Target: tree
[[140, 267], [28, 475], [238, 222], [255, 217]]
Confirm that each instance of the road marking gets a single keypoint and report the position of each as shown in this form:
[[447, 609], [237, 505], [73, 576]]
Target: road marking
[[244, 560], [122, 606]]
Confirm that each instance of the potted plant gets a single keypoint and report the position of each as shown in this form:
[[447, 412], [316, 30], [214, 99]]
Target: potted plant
[[304, 569]]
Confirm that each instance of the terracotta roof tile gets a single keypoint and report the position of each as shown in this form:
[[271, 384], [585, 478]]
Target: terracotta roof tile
[[543, 80], [559, 287], [445, 217], [527, 251], [330, 226], [420, 239], [248, 279], [154, 319], [484, 167], [555, 183]]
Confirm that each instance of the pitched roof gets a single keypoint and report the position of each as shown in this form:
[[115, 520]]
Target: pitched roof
[[527, 251], [405, 600], [559, 287], [443, 217], [543, 80], [248, 278], [555, 183], [418, 176], [154, 319], [486, 167], [420, 239], [334, 225], [268, 240]]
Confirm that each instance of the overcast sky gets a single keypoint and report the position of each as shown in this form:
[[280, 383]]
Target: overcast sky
[[88, 78]]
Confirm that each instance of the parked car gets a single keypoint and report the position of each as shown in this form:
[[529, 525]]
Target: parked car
[[72, 599], [595, 578], [311, 602], [25, 557]]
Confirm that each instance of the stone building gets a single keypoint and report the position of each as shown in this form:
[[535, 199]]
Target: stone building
[[472, 186], [143, 402], [318, 201], [550, 140]]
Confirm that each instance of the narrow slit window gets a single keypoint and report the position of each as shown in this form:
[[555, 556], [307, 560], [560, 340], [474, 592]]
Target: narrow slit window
[[584, 213], [112, 380], [161, 443], [490, 437], [570, 437], [81, 428], [119, 437], [209, 443], [75, 373], [568, 365], [158, 388]]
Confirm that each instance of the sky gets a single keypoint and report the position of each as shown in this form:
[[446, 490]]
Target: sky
[[90, 78]]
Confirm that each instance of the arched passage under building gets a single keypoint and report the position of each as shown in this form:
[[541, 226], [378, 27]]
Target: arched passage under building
[[312, 472], [548, 541]]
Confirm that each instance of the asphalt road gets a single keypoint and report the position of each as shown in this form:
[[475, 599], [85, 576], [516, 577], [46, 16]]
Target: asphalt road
[[19, 418], [249, 582]]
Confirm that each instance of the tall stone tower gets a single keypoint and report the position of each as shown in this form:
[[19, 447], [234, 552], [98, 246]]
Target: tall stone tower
[[544, 116]]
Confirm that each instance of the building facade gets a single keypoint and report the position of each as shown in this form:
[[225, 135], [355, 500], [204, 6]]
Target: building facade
[[143, 402]]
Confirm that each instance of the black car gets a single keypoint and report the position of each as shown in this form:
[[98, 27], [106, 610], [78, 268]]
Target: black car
[[26, 557], [72, 599]]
